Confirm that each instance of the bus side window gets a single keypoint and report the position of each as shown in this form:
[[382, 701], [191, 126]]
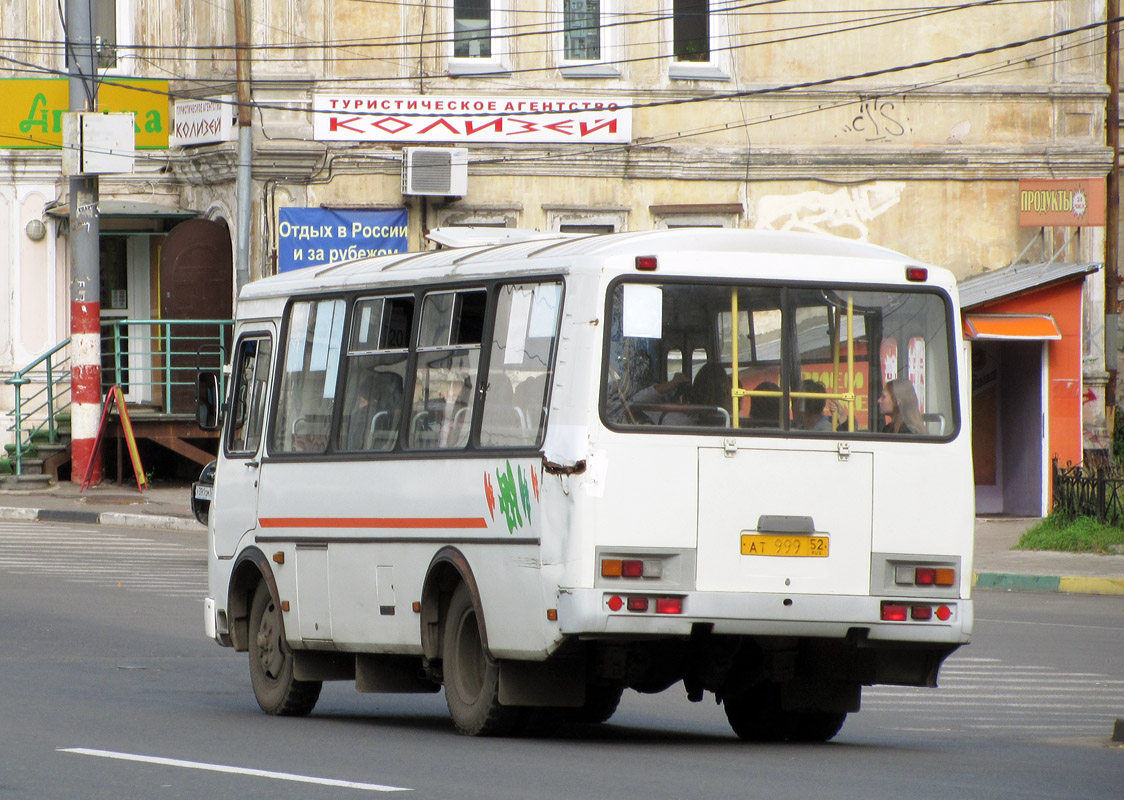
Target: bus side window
[[522, 351], [376, 372], [307, 391], [251, 377], [448, 360]]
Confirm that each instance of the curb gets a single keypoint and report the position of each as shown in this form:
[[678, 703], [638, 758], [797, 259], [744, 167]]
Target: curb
[[102, 518], [1047, 583]]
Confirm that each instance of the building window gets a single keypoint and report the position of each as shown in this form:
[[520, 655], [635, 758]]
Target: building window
[[472, 29], [581, 30], [691, 30]]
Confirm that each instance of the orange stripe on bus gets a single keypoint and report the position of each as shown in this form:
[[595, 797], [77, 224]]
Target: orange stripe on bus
[[373, 522]]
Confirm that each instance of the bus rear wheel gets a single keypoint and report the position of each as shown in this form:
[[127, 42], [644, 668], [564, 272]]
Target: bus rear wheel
[[471, 675], [271, 662], [757, 716]]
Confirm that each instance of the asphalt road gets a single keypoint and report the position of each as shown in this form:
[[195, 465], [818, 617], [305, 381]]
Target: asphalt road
[[109, 690]]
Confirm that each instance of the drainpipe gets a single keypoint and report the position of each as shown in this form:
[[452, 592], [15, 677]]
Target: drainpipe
[[245, 148]]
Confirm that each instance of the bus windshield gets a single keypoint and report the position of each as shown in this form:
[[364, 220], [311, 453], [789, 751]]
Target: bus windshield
[[797, 359]]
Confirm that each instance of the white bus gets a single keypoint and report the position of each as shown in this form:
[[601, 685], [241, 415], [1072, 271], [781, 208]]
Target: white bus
[[540, 473]]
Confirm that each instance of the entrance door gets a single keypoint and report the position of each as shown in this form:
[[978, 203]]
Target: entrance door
[[196, 282], [1008, 427], [235, 503], [124, 295]]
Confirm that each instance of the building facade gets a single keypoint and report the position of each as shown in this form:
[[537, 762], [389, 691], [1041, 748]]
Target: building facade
[[906, 128]]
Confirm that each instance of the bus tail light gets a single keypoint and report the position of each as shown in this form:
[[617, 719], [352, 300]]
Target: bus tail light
[[637, 603], [916, 274], [894, 612], [631, 568], [646, 263], [919, 612], [912, 575], [643, 604]]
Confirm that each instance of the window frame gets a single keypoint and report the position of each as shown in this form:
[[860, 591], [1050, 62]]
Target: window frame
[[609, 36], [499, 45], [872, 360], [258, 336], [472, 447], [717, 66]]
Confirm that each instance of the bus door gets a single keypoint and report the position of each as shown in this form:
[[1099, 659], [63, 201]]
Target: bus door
[[790, 507], [236, 494], [784, 520]]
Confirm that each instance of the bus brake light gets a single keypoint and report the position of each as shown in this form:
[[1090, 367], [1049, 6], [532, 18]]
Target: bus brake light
[[669, 605], [892, 612]]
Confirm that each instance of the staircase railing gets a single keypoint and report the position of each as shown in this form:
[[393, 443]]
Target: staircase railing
[[154, 361], [49, 375]]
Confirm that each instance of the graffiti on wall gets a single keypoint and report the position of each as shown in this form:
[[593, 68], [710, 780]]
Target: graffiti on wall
[[844, 212], [879, 120]]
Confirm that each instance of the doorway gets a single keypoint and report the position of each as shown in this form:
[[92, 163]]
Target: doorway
[[124, 295], [1008, 424]]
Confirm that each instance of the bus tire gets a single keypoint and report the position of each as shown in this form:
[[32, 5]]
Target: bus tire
[[600, 704], [813, 726], [471, 676], [756, 715], [271, 662]]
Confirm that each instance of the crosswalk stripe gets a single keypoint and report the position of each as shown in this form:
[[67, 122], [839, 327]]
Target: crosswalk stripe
[[108, 558], [986, 695]]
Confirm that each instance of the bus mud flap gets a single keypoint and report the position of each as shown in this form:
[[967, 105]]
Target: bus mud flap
[[558, 683]]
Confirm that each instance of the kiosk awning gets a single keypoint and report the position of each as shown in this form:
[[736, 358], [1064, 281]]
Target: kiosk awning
[[1011, 326]]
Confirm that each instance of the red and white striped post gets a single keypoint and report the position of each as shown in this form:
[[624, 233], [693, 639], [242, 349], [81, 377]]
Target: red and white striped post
[[85, 388]]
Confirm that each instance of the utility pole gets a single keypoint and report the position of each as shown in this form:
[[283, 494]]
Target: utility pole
[[245, 147], [85, 267]]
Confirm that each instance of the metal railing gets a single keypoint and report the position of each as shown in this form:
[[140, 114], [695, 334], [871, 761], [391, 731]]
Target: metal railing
[[38, 410], [154, 361], [1089, 492]]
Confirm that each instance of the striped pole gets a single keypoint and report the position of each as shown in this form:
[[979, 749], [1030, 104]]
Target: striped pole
[[85, 388]]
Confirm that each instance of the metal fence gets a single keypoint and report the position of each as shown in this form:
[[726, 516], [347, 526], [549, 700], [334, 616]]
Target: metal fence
[[154, 361], [1089, 492]]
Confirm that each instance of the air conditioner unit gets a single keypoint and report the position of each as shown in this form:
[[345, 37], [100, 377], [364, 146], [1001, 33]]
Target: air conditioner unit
[[435, 171]]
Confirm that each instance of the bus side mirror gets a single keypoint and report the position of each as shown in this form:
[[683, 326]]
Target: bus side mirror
[[207, 411]]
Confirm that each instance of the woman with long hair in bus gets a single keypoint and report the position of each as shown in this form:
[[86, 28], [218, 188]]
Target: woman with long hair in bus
[[898, 401]]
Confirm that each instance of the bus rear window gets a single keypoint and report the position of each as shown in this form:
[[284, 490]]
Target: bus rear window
[[801, 360]]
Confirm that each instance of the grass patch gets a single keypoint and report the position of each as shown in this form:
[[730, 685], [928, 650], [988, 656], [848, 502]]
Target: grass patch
[[1079, 535]]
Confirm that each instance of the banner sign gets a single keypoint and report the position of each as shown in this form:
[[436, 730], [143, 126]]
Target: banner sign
[[309, 237], [430, 118], [1075, 203], [202, 121], [32, 111]]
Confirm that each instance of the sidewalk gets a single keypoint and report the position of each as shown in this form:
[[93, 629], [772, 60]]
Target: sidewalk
[[169, 508]]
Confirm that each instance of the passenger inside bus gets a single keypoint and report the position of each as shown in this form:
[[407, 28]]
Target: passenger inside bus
[[808, 412], [765, 410], [898, 401]]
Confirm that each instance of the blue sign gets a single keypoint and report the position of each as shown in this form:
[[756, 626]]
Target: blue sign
[[309, 237]]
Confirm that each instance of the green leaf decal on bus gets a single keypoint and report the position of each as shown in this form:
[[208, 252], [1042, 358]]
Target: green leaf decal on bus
[[509, 499]]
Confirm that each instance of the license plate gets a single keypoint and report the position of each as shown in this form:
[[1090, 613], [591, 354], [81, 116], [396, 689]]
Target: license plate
[[204, 491], [763, 544]]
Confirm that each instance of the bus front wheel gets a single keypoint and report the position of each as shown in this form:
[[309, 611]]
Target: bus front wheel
[[271, 662], [471, 675]]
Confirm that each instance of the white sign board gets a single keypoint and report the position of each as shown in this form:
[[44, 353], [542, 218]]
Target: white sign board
[[202, 121], [430, 118]]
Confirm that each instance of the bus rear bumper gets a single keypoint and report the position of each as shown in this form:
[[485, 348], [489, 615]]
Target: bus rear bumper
[[590, 612]]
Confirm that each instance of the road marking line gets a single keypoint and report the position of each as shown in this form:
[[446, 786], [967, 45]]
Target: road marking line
[[257, 773]]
